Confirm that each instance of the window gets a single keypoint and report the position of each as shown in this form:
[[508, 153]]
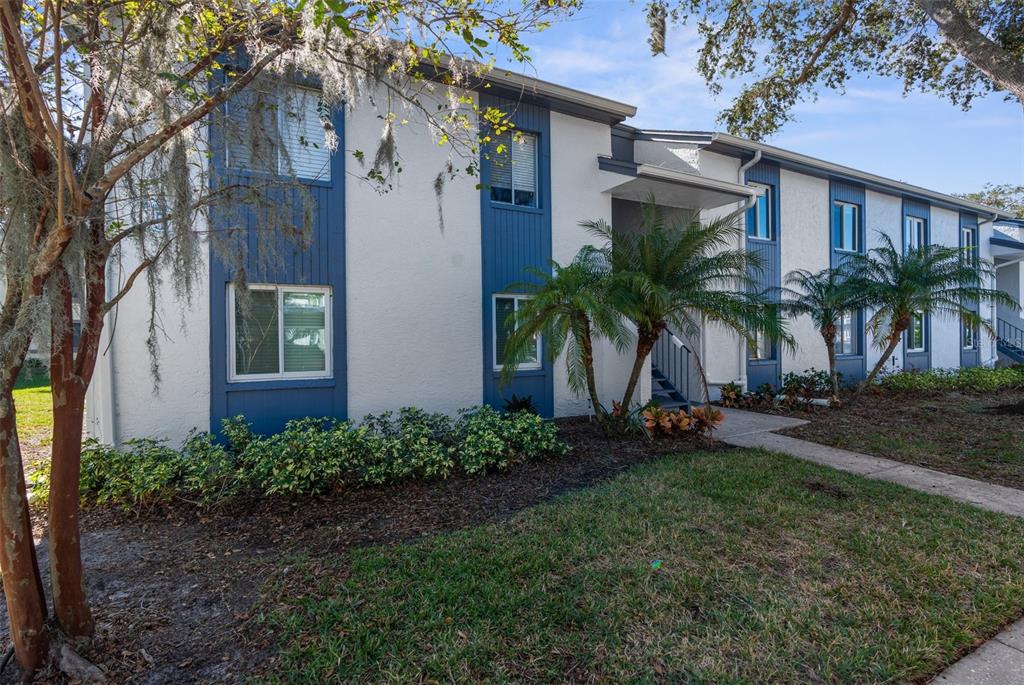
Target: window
[[760, 217], [915, 234], [846, 225], [846, 334], [968, 335], [514, 169], [279, 332], [505, 307], [280, 132], [761, 347], [916, 334], [969, 241]]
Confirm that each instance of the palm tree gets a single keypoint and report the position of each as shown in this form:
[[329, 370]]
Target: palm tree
[[825, 297], [933, 280], [569, 307], [682, 274]]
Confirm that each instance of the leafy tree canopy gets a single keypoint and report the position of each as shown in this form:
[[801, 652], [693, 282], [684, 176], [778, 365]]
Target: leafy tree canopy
[[786, 51], [1002, 196]]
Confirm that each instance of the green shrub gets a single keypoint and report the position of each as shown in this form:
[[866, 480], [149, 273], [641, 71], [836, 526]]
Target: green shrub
[[489, 440], [310, 456], [976, 379]]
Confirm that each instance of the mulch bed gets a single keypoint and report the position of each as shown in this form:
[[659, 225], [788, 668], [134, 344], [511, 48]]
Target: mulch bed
[[177, 592]]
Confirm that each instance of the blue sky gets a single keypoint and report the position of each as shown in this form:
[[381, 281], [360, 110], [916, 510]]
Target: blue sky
[[919, 139]]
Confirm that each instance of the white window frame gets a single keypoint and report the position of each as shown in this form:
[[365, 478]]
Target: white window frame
[[754, 351], [920, 231], [766, 193], [965, 328], [525, 366], [856, 227], [282, 375], [512, 162], [969, 239], [852, 316], [924, 334], [325, 173]]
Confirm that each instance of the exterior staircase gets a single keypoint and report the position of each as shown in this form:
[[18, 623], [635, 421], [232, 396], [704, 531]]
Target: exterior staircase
[[1010, 341], [670, 372]]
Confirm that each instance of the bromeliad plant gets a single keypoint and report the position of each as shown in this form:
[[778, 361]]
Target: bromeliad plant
[[825, 297], [683, 274], [933, 280], [570, 308]]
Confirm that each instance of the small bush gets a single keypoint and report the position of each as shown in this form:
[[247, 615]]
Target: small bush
[[731, 394], [517, 404], [659, 421], [310, 456], [976, 379], [489, 440]]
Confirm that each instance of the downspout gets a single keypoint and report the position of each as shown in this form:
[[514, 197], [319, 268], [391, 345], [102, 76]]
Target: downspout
[[741, 352]]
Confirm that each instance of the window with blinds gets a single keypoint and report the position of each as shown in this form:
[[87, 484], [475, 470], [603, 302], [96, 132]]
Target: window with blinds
[[505, 308], [846, 334], [513, 165], [280, 332], [279, 132]]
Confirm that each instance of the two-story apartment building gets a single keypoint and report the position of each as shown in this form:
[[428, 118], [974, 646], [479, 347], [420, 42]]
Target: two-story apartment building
[[386, 307]]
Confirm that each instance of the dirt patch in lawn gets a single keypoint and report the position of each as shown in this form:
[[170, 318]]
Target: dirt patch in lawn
[[965, 434], [177, 594]]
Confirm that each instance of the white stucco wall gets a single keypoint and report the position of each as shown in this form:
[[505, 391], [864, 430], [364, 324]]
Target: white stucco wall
[[414, 318], [945, 330], [724, 353], [576, 184], [125, 401], [804, 243], [883, 213]]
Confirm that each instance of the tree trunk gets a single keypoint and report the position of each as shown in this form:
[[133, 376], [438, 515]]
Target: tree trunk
[[1005, 70], [22, 585], [70, 605], [587, 347], [894, 340], [644, 345], [829, 335]]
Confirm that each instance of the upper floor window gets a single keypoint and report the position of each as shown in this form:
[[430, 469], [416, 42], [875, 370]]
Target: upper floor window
[[513, 164], [846, 226], [278, 131], [969, 241], [760, 218], [915, 232], [846, 329], [916, 333], [279, 332], [505, 309]]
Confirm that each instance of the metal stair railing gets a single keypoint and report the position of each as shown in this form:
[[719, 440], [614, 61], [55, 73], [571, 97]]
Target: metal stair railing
[[1009, 338], [671, 357]]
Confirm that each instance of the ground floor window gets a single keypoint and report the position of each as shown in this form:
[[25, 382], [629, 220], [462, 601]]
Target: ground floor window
[[279, 332], [760, 347], [846, 334], [505, 308], [968, 334], [916, 334]]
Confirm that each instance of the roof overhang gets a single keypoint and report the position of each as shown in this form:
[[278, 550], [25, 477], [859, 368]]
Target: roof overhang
[[670, 187], [558, 98], [739, 147], [1005, 247]]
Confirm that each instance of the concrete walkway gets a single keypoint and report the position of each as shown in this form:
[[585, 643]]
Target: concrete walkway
[[752, 429], [1000, 661]]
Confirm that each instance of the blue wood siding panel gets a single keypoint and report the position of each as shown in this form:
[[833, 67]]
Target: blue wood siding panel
[[769, 276], [513, 239], [268, 405], [853, 367], [922, 210], [970, 357]]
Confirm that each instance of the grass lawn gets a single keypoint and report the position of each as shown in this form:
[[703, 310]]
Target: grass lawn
[[733, 566], [34, 414], [961, 433]]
